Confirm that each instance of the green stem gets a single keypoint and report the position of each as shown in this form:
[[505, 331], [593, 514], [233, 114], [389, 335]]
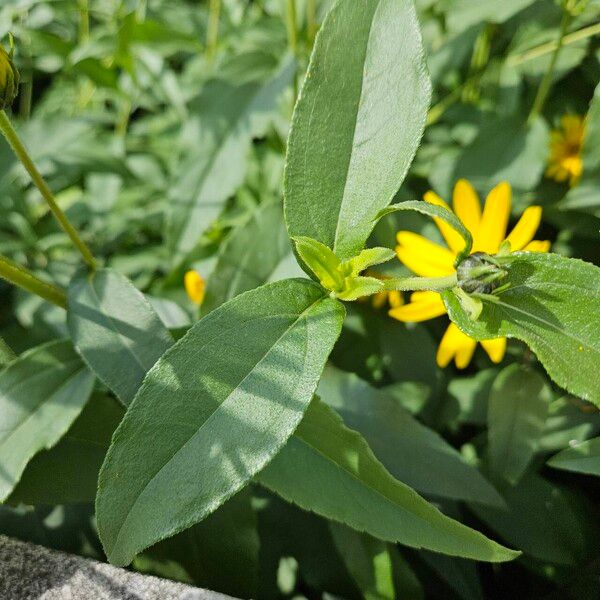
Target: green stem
[[542, 93], [25, 279], [6, 353], [212, 31], [413, 284], [19, 149], [291, 24]]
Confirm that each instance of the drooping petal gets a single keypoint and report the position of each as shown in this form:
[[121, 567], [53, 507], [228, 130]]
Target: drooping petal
[[525, 228], [455, 344], [453, 238], [466, 205], [422, 307], [379, 300], [395, 298], [538, 246], [422, 256], [496, 349], [492, 229]]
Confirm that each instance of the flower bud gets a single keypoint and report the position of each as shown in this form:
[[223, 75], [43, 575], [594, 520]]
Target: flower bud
[[9, 79], [479, 273]]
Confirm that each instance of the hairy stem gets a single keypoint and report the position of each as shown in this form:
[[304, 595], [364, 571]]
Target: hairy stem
[[19, 149], [413, 284], [25, 279]]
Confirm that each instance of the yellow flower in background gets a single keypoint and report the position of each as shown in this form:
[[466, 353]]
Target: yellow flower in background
[[195, 286], [428, 259], [565, 161]]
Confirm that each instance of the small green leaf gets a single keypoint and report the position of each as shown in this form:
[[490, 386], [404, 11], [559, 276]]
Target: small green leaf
[[216, 408], [41, 393], [580, 458], [432, 210], [349, 146], [368, 258], [115, 329], [549, 305], [357, 287], [517, 411], [321, 261], [324, 457]]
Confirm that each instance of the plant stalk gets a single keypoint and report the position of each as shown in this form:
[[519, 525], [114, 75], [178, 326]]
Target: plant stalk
[[19, 149], [542, 93], [414, 284], [291, 25], [311, 20], [84, 21], [25, 279], [212, 31]]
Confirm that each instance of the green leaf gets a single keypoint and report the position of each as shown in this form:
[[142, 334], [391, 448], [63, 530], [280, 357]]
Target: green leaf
[[217, 407], [438, 212], [549, 305], [369, 258], [357, 287], [68, 472], [542, 520], [401, 443], [324, 457], [321, 260], [115, 329], [517, 411], [580, 458], [350, 147], [506, 149], [222, 552], [41, 394], [226, 118], [250, 256]]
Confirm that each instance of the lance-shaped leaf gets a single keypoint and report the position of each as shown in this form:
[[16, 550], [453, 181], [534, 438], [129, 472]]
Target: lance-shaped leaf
[[329, 469], [517, 411], [41, 394], [551, 304], [357, 123], [213, 412], [115, 329], [227, 117], [580, 458]]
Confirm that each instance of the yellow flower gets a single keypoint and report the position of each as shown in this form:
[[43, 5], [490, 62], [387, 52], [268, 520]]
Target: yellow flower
[[566, 143], [425, 258], [195, 286]]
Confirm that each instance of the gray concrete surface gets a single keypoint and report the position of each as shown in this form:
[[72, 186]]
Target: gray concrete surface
[[30, 572]]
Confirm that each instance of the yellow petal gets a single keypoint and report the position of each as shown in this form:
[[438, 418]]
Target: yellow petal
[[453, 238], [494, 220], [422, 256], [194, 286], [422, 307], [495, 349], [466, 205], [379, 300], [525, 228], [538, 246], [455, 344]]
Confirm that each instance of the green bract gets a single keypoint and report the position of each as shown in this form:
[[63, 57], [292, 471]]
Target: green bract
[[9, 79]]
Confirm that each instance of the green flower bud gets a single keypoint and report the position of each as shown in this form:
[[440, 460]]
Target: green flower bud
[[479, 273], [9, 79]]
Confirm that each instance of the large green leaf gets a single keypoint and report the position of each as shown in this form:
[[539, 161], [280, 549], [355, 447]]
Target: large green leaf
[[226, 119], [41, 394], [329, 469], [550, 305], [517, 411], [68, 472], [358, 122], [215, 408], [249, 257], [581, 458], [115, 329], [401, 443]]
